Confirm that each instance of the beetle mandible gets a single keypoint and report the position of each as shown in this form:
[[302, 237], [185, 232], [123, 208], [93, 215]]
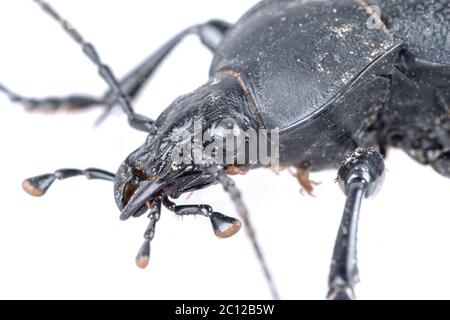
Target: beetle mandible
[[339, 90]]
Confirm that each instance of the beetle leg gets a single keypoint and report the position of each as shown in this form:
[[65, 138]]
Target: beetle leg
[[137, 121], [344, 270], [223, 226], [38, 186], [51, 104], [360, 176], [210, 34]]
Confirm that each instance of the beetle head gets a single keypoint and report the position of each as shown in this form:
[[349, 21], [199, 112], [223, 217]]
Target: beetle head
[[190, 140]]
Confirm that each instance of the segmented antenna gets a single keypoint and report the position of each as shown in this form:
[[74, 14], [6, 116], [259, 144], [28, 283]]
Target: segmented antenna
[[136, 120], [230, 187]]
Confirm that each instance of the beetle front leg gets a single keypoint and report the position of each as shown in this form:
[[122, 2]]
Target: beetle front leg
[[360, 176], [210, 34], [51, 104], [137, 121]]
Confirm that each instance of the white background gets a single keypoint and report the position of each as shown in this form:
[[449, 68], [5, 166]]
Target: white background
[[71, 244]]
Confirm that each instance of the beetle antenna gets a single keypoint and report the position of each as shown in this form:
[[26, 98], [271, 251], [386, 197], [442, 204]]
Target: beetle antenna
[[230, 187], [136, 120]]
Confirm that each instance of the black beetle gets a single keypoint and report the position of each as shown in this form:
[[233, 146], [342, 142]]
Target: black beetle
[[339, 89]]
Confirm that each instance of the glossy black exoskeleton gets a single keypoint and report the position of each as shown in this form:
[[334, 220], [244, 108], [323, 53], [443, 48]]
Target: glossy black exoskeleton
[[340, 81]]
